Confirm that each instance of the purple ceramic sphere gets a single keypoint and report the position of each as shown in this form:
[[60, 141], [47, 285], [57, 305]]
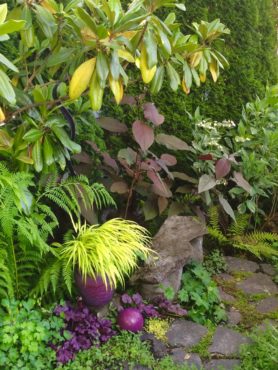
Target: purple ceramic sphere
[[93, 291], [130, 319]]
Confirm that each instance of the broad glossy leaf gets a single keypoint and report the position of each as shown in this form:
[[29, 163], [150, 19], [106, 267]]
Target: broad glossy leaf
[[171, 142], [37, 156], [222, 168], [7, 63], [240, 181], [11, 26], [206, 182], [143, 134], [33, 135], [226, 206]]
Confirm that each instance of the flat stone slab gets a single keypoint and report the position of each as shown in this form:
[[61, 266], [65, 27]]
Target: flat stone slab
[[235, 264], [226, 277], [234, 316], [267, 305], [180, 356], [222, 364], [258, 283], [225, 297], [227, 342], [268, 269], [184, 333], [266, 324]]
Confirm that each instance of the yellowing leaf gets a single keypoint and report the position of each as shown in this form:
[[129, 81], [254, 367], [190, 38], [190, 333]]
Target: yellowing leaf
[[47, 5], [195, 59], [2, 116], [147, 73], [185, 88], [213, 67], [117, 88], [96, 93], [126, 55], [203, 77], [3, 12], [137, 62], [81, 78]]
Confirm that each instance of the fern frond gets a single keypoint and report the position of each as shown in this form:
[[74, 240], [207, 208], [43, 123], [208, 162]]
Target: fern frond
[[239, 226], [213, 214], [217, 234]]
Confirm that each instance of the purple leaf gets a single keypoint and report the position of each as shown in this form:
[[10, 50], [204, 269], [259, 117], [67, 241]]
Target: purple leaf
[[143, 134], [169, 159], [128, 99], [172, 142], [222, 168], [107, 159], [112, 124], [240, 181], [151, 113], [206, 182], [159, 186]]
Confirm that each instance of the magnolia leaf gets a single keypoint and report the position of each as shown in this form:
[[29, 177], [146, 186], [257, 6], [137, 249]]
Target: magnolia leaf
[[222, 168], [162, 203], [151, 113], [119, 187], [171, 142], [143, 134], [169, 159], [112, 124], [226, 206], [206, 182], [240, 181]]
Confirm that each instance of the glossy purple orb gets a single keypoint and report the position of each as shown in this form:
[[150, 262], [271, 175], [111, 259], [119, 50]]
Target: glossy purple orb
[[94, 291], [130, 319]]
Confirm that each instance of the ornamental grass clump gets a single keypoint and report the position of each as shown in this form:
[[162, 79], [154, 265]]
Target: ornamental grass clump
[[110, 250]]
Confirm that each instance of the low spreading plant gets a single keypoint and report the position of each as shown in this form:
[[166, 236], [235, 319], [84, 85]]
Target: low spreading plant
[[160, 306], [83, 328], [199, 294], [262, 353], [25, 333], [215, 262]]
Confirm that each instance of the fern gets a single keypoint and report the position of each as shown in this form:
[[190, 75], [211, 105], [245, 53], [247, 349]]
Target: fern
[[257, 243]]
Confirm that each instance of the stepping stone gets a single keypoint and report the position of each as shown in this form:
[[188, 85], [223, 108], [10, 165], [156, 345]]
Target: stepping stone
[[267, 305], [227, 342], [268, 269], [184, 333], [222, 364], [234, 316], [180, 356], [158, 347], [226, 277], [258, 283], [266, 324], [239, 264], [225, 297]]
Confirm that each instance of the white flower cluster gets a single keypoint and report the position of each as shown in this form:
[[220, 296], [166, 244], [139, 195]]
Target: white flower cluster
[[210, 125]]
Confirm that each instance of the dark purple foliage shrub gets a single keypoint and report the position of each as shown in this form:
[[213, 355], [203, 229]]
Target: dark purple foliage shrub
[[159, 306], [85, 329]]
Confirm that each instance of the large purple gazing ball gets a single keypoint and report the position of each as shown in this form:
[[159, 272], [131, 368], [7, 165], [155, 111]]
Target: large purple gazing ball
[[130, 319]]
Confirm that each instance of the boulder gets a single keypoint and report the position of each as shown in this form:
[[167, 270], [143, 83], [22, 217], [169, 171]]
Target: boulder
[[177, 243]]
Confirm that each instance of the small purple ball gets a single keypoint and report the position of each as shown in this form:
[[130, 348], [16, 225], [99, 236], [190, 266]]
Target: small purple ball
[[130, 319]]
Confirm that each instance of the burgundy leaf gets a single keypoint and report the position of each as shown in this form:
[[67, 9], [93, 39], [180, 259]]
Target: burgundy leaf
[[93, 146], [222, 168], [159, 186], [128, 99], [124, 163], [172, 142], [205, 157], [82, 158], [162, 204], [240, 181], [150, 164], [143, 134], [169, 159], [119, 187], [151, 113], [206, 182], [107, 159], [112, 124]]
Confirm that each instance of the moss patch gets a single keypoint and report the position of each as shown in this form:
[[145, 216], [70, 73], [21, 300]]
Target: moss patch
[[202, 347]]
